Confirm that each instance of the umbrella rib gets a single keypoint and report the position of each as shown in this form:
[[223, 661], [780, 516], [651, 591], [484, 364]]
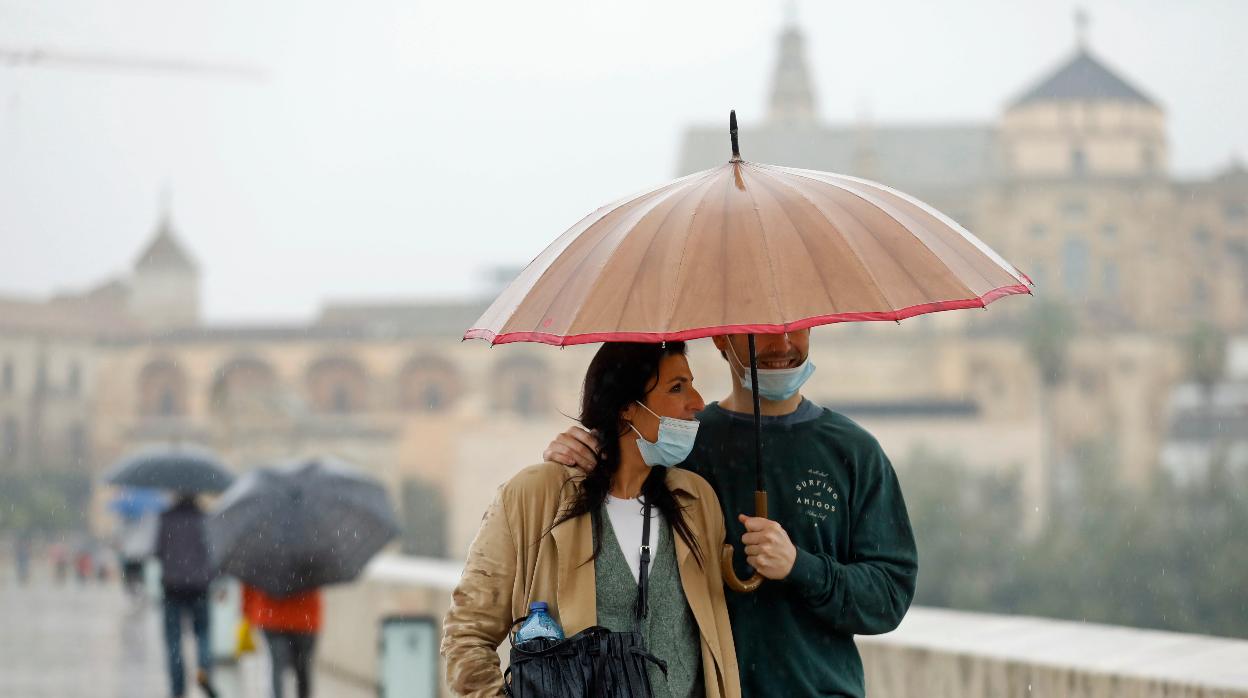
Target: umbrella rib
[[659, 198], [889, 209], [580, 264], [658, 232], [771, 267], [909, 274], [965, 234], [533, 271], [852, 247], [801, 236], [896, 213], [684, 248]]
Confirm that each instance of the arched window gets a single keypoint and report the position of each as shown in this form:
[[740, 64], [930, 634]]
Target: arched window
[[1109, 278], [73, 381], [338, 385], [162, 390], [424, 519], [1200, 291], [1078, 161], [1075, 266], [428, 384], [244, 385], [521, 386]]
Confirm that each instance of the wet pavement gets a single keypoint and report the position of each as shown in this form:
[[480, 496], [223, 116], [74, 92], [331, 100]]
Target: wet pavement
[[65, 641]]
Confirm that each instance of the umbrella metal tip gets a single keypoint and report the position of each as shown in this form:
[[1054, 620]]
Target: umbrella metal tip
[[732, 132]]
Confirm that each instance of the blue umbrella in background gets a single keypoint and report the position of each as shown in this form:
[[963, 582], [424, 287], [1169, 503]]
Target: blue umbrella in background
[[135, 502]]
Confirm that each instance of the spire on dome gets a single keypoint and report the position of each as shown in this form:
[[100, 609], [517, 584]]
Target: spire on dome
[[792, 94]]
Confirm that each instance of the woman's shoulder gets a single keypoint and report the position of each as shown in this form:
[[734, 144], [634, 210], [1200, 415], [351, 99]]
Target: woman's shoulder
[[691, 482], [540, 478]]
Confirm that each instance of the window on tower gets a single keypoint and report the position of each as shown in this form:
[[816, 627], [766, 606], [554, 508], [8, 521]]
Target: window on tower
[[1078, 161]]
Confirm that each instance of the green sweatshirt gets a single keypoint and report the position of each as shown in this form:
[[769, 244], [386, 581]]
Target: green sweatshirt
[[834, 491]]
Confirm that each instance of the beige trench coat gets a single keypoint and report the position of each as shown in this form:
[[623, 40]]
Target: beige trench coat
[[512, 563]]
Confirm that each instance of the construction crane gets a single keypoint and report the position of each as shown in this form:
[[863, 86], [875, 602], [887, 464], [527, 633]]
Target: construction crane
[[52, 58]]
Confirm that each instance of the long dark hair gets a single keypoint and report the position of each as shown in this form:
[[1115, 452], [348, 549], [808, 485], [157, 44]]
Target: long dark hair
[[621, 373]]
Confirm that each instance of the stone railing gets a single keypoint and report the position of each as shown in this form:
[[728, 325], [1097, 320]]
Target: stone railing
[[936, 653], [940, 653]]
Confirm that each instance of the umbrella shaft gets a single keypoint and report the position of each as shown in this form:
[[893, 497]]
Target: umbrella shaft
[[758, 419]]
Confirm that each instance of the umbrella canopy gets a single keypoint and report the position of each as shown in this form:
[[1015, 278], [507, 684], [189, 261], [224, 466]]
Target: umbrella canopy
[[301, 526], [134, 502], [746, 248], [187, 469]]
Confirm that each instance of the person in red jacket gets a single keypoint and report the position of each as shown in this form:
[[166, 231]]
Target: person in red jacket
[[290, 625]]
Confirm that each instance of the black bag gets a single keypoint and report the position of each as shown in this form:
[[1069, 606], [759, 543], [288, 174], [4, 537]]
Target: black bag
[[595, 662]]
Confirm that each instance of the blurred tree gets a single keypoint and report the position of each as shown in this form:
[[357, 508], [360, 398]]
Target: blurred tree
[[424, 519], [43, 502], [1047, 331], [1204, 359], [1204, 354], [1167, 558]]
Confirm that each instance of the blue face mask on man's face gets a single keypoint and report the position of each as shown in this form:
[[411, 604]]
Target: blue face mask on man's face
[[775, 383], [676, 437]]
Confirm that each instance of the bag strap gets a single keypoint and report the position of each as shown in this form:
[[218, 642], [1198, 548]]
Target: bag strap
[[642, 607]]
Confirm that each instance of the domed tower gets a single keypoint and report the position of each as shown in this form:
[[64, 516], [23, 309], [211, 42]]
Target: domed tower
[[1084, 120], [164, 285]]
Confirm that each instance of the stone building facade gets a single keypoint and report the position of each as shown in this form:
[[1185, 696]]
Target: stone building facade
[[1070, 183]]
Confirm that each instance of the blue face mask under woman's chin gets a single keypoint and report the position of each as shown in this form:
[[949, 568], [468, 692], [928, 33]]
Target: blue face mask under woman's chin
[[674, 443]]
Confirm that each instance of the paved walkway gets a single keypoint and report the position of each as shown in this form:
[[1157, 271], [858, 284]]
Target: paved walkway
[[90, 641]]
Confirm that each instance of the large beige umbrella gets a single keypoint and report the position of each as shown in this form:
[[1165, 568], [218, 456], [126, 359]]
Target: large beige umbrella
[[747, 248]]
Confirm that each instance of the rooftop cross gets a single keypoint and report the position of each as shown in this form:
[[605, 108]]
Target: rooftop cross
[[1081, 28]]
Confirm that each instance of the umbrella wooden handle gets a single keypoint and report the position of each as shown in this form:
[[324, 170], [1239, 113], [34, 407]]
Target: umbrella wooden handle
[[730, 575]]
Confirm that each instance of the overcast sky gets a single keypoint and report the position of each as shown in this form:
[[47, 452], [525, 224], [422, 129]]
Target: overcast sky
[[399, 149]]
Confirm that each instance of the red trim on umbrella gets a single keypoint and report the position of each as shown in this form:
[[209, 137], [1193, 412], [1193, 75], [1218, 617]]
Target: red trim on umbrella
[[700, 332]]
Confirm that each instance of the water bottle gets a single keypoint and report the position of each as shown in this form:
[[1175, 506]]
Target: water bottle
[[539, 624]]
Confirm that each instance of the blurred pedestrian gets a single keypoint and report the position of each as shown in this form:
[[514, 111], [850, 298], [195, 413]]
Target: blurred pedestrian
[[182, 549], [59, 555], [101, 568], [290, 625], [21, 557], [136, 541], [84, 564]]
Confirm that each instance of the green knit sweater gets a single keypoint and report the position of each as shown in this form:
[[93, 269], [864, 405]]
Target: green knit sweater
[[834, 491], [669, 629]]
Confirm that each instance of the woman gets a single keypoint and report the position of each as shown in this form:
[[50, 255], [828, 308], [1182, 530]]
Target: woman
[[572, 539], [290, 625]]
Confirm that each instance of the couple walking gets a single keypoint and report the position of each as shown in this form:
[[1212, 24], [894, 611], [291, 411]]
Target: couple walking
[[838, 548], [741, 248]]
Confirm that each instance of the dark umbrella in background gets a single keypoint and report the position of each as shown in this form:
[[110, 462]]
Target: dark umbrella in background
[[185, 469], [300, 526]]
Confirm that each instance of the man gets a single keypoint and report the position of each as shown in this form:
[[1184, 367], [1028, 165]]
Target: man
[[21, 557], [185, 573], [838, 548]]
